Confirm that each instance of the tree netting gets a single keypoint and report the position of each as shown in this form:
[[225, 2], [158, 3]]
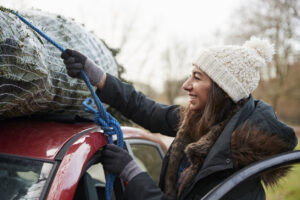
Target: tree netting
[[33, 78]]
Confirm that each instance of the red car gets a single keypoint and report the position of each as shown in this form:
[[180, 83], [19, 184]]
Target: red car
[[42, 159]]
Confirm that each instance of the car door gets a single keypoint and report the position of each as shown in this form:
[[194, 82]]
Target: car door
[[147, 154], [252, 171], [92, 182]]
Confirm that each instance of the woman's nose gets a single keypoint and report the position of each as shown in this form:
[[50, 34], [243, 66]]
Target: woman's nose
[[187, 85]]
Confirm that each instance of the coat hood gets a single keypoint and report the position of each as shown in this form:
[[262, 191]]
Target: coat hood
[[265, 119], [252, 134], [260, 136]]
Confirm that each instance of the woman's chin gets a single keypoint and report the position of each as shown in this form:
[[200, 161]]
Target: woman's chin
[[194, 107]]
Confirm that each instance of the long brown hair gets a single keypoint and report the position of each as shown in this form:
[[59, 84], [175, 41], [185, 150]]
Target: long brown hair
[[219, 108], [198, 128]]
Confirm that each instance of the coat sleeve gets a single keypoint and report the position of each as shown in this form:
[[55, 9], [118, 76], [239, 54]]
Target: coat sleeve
[[137, 107], [143, 187]]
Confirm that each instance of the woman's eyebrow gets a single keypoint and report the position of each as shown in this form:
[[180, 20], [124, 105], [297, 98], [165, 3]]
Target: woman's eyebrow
[[197, 73]]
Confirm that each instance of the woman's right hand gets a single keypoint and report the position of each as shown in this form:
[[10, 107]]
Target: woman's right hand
[[118, 161], [75, 61]]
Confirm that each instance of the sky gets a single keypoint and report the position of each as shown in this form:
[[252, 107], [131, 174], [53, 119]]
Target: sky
[[151, 25]]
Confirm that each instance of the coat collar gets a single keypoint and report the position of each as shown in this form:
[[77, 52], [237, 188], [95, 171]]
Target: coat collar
[[219, 157]]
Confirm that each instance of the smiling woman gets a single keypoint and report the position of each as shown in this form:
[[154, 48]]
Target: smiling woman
[[222, 130], [198, 86]]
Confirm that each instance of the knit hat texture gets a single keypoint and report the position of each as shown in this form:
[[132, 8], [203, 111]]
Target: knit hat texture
[[236, 69]]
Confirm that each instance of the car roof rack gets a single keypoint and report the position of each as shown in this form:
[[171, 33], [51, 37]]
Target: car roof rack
[[64, 118]]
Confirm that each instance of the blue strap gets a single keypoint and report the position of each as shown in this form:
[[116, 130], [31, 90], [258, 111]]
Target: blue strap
[[108, 124]]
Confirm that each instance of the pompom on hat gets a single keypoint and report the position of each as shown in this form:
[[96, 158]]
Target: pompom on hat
[[236, 69]]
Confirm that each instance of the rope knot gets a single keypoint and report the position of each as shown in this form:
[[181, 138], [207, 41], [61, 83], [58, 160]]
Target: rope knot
[[108, 124]]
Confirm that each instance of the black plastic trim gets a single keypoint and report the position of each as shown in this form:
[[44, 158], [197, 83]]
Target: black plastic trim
[[60, 155], [49, 181], [62, 118], [252, 171], [118, 189], [93, 160], [26, 157]]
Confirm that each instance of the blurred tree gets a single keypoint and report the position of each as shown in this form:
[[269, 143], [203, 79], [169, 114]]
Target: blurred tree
[[278, 20], [121, 26], [288, 109], [146, 88], [177, 59], [172, 89], [174, 60]]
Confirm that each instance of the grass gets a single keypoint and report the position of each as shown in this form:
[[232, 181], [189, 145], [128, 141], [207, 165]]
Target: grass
[[288, 188]]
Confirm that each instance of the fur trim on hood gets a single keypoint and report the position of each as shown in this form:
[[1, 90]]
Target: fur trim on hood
[[255, 139], [250, 144]]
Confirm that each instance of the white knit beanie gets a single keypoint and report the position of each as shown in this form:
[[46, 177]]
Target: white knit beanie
[[236, 69]]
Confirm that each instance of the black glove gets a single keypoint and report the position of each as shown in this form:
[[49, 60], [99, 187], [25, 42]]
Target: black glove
[[118, 162], [114, 159], [75, 61]]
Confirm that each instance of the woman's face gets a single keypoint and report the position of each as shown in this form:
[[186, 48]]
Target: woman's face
[[198, 86]]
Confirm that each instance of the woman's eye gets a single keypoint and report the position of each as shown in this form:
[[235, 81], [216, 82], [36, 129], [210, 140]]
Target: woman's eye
[[196, 78]]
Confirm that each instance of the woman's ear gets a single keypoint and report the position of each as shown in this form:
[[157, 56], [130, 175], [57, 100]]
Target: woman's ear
[[226, 96]]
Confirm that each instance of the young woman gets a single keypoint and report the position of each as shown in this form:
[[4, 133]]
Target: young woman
[[221, 130]]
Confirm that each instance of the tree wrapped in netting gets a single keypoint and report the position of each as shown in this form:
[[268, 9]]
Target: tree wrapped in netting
[[33, 78]]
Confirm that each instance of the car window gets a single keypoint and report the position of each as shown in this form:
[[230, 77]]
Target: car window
[[96, 172], [22, 178], [149, 158], [92, 183]]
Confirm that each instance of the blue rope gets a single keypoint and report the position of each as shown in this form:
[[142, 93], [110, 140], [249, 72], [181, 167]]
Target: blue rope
[[108, 123]]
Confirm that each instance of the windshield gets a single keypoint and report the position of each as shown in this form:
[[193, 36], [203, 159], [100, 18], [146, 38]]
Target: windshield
[[22, 178]]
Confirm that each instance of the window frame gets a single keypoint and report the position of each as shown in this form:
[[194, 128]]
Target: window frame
[[128, 142], [118, 187], [51, 175], [157, 146]]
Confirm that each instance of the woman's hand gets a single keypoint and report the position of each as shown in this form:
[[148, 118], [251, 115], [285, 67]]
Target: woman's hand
[[118, 162], [75, 61]]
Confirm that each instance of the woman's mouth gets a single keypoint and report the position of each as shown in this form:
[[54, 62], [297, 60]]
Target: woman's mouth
[[192, 98]]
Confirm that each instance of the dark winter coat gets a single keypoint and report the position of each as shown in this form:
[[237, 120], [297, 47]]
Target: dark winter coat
[[252, 134]]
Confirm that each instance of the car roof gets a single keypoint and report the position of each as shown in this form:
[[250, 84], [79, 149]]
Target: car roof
[[138, 133], [36, 138], [44, 139]]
